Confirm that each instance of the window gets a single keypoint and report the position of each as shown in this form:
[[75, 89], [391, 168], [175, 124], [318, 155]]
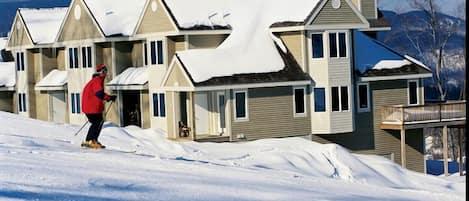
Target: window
[[339, 98], [75, 103], [20, 61], [317, 45], [86, 57], [299, 101], [363, 97], [337, 45], [241, 106], [21, 102], [156, 52], [159, 105], [73, 57], [145, 54], [413, 92], [319, 100]]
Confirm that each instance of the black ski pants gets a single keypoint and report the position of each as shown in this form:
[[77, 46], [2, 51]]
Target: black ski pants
[[96, 121]]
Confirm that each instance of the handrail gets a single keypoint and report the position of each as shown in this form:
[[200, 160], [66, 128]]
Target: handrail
[[427, 112]]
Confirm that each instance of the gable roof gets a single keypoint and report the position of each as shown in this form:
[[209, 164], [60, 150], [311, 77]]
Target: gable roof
[[43, 24], [374, 58], [116, 17]]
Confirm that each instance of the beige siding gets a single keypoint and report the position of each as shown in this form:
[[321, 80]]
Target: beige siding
[[19, 36], [177, 77], [175, 43], [42, 105], [49, 61], [369, 138], [170, 116], [104, 56], [137, 54], [123, 56], [294, 41], [205, 41], [61, 59], [145, 101], [368, 8], [155, 21], [270, 112], [84, 28], [31, 73], [6, 101], [342, 15]]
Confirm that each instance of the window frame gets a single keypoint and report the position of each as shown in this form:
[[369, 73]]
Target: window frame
[[157, 52], [75, 103], [159, 109], [22, 102], [324, 97], [416, 91], [304, 113], [359, 108], [20, 61], [246, 107], [337, 34], [73, 60], [339, 90], [86, 56], [312, 45]]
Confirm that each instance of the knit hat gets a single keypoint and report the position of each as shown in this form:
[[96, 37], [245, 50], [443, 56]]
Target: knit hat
[[101, 68]]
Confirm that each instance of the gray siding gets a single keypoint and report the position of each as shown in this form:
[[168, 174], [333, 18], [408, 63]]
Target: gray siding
[[271, 115], [369, 138], [342, 15], [368, 9]]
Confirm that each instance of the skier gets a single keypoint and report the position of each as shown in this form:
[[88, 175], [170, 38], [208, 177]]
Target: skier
[[92, 105]]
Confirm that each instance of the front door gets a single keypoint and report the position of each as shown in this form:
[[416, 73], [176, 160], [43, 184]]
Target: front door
[[131, 108], [58, 106], [201, 114]]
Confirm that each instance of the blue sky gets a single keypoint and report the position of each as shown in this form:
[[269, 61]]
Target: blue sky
[[448, 6]]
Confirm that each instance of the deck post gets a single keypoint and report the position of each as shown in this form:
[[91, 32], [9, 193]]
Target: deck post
[[403, 151], [460, 131], [445, 150]]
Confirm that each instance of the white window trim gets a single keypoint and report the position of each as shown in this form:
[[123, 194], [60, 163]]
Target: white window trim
[[416, 90], [246, 107], [87, 56], [313, 99], [22, 65], [323, 46], [158, 105], [145, 56], [340, 98], [367, 109], [75, 104], [163, 44], [347, 53], [303, 114], [68, 57]]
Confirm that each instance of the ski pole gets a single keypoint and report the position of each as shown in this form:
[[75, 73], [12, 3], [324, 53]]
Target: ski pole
[[105, 114], [107, 110], [81, 128]]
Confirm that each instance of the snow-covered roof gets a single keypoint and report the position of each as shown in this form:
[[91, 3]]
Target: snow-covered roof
[[44, 23], [116, 17], [7, 74], [55, 79], [250, 47], [374, 55], [132, 76]]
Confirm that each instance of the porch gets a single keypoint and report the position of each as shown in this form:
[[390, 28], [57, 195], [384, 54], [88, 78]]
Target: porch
[[444, 115]]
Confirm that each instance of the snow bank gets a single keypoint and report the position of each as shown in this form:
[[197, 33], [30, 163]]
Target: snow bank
[[43, 24], [7, 74], [131, 76], [55, 78], [117, 16]]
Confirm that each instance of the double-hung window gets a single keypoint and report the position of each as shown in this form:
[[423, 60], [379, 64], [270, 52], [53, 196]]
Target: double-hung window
[[412, 86], [241, 105], [363, 97], [339, 98], [156, 52], [73, 57], [337, 45], [76, 103], [299, 101], [159, 105], [145, 54], [86, 57], [20, 61], [317, 45], [319, 100], [21, 102]]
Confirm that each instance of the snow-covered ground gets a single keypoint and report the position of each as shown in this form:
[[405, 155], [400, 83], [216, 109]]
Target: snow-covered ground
[[43, 161]]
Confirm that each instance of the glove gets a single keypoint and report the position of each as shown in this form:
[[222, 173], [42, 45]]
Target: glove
[[112, 98]]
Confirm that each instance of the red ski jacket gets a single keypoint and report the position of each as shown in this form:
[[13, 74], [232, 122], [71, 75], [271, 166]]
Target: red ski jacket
[[93, 96]]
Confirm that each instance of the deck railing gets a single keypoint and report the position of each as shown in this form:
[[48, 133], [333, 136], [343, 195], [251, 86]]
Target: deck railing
[[454, 110]]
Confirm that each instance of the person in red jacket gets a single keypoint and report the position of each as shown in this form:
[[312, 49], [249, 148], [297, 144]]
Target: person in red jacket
[[92, 105]]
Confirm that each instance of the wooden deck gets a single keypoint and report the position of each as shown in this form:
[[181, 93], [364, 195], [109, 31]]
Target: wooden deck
[[399, 117]]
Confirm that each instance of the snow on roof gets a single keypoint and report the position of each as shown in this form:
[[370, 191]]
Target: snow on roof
[[7, 74], [250, 47], [116, 16], [372, 54], [43, 24], [55, 78], [131, 76]]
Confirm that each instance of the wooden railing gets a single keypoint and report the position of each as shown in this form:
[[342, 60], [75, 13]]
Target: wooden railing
[[454, 110]]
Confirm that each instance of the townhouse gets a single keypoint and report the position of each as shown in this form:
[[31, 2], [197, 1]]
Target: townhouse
[[228, 70]]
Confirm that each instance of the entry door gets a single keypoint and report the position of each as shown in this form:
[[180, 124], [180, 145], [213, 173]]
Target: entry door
[[201, 114], [58, 107], [131, 108]]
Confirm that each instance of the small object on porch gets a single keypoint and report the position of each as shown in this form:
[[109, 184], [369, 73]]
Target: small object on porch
[[183, 130]]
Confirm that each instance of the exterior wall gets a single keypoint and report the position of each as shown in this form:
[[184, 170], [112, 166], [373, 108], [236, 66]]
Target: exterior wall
[[369, 138], [206, 41], [270, 112], [369, 9], [295, 44], [155, 21], [49, 61], [42, 106], [342, 15], [32, 75], [19, 35], [6, 101], [177, 77], [83, 28], [61, 59], [146, 123], [171, 113], [329, 72], [123, 57], [137, 54]]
